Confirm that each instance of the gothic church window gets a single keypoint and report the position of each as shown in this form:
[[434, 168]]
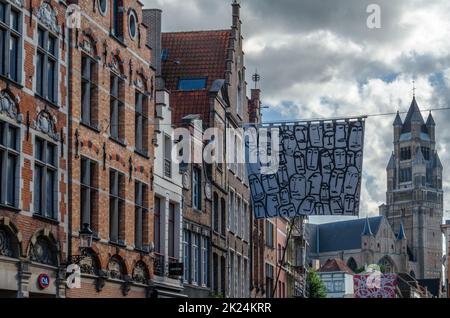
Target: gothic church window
[[405, 153], [405, 175]]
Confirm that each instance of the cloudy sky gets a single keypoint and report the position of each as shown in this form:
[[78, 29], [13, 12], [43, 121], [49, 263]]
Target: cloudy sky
[[318, 58]]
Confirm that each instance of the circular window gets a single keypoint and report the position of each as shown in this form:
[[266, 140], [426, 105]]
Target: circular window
[[103, 6], [132, 24]]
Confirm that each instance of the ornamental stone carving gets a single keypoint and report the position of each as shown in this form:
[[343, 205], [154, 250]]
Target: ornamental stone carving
[[47, 16], [46, 123], [8, 106]]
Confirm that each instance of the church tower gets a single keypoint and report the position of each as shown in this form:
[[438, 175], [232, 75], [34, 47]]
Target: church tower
[[414, 191]]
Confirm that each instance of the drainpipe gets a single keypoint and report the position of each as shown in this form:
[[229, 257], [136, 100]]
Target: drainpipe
[[69, 143]]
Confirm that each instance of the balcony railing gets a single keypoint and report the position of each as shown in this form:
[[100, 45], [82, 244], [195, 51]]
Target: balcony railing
[[159, 265]]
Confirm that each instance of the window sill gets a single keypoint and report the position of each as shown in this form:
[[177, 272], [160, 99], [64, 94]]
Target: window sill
[[141, 250], [90, 126], [197, 210], [120, 40], [142, 153], [119, 244], [10, 208], [11, 81], [45, 219], [117, 141], [47, 101]]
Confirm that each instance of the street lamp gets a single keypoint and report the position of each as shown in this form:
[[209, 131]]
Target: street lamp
[[86, 236]]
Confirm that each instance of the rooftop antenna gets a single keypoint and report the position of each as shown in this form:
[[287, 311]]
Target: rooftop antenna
[[256, 78]]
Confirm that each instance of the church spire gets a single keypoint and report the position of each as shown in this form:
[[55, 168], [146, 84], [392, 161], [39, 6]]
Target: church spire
[[367, 230], [401, 234], [398, 121]]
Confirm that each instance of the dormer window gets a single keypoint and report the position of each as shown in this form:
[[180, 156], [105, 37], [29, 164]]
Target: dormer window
[[192, 84]]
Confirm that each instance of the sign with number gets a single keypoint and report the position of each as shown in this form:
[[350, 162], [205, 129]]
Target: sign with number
[[43, 281]]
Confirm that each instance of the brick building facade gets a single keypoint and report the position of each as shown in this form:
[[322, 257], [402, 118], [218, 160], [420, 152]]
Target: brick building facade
[[111, 106], [33, 148]]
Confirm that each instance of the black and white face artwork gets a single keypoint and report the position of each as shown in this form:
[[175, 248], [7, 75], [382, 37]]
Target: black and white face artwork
[[319, 171]]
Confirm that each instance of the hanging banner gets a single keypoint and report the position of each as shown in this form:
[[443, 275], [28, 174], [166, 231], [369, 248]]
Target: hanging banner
[[305, 168]]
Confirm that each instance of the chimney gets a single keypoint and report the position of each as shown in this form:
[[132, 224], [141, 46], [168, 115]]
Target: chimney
[[254, 106], [152, 18]]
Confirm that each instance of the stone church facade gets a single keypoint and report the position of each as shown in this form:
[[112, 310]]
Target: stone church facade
[[360, 243], [414, 190]]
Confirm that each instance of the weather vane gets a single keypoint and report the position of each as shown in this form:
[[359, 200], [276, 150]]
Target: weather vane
[[256, 78]]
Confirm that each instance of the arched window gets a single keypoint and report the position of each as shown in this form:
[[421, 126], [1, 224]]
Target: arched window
[[387, 265], [140, 273], [44, 251], [351, 263], [9, 245], [116, 268]]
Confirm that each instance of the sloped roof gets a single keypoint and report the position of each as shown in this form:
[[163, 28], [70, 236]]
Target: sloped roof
[[430, 120], [335, 265], [391, 164], [398, 120], [340, 236], [193, 55]]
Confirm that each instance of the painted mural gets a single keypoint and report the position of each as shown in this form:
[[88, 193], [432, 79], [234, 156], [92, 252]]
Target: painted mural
[[375, 286], [318, 170]]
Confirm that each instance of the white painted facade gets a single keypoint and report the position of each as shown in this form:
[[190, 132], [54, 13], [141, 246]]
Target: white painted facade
[[167, 189]]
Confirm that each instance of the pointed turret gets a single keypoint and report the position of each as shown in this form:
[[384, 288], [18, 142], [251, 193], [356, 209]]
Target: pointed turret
[[367, 231], [431, 126], [419, 159], [398, 121], [391, 164]]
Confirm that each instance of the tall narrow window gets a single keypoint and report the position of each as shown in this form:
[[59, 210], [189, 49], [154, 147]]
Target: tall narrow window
[[171, 231], [9, 164], [223, 220], [89, 193], [45, 179], [117, 114], [141, 211], [157, 225], [167, 156], [117, 28], [269, 234], [116, 207], [187, 256], [89, 110], [10, 41], [141, 124], [196, 253], [47, 66], [239, 97], [231, 212], [269, 280], [205, 261], [196, 189], [216, 212]]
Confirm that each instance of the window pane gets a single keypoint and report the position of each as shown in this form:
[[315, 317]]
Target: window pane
[[52, 45], [41, 38], [13, 58], [39, 144], [12, 138], [51, 154], [11, 190], [51, 80], [37, 189], [2, 11], [191, 84], [3, 69], [14, 21], [40, 74], [49, 193]]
